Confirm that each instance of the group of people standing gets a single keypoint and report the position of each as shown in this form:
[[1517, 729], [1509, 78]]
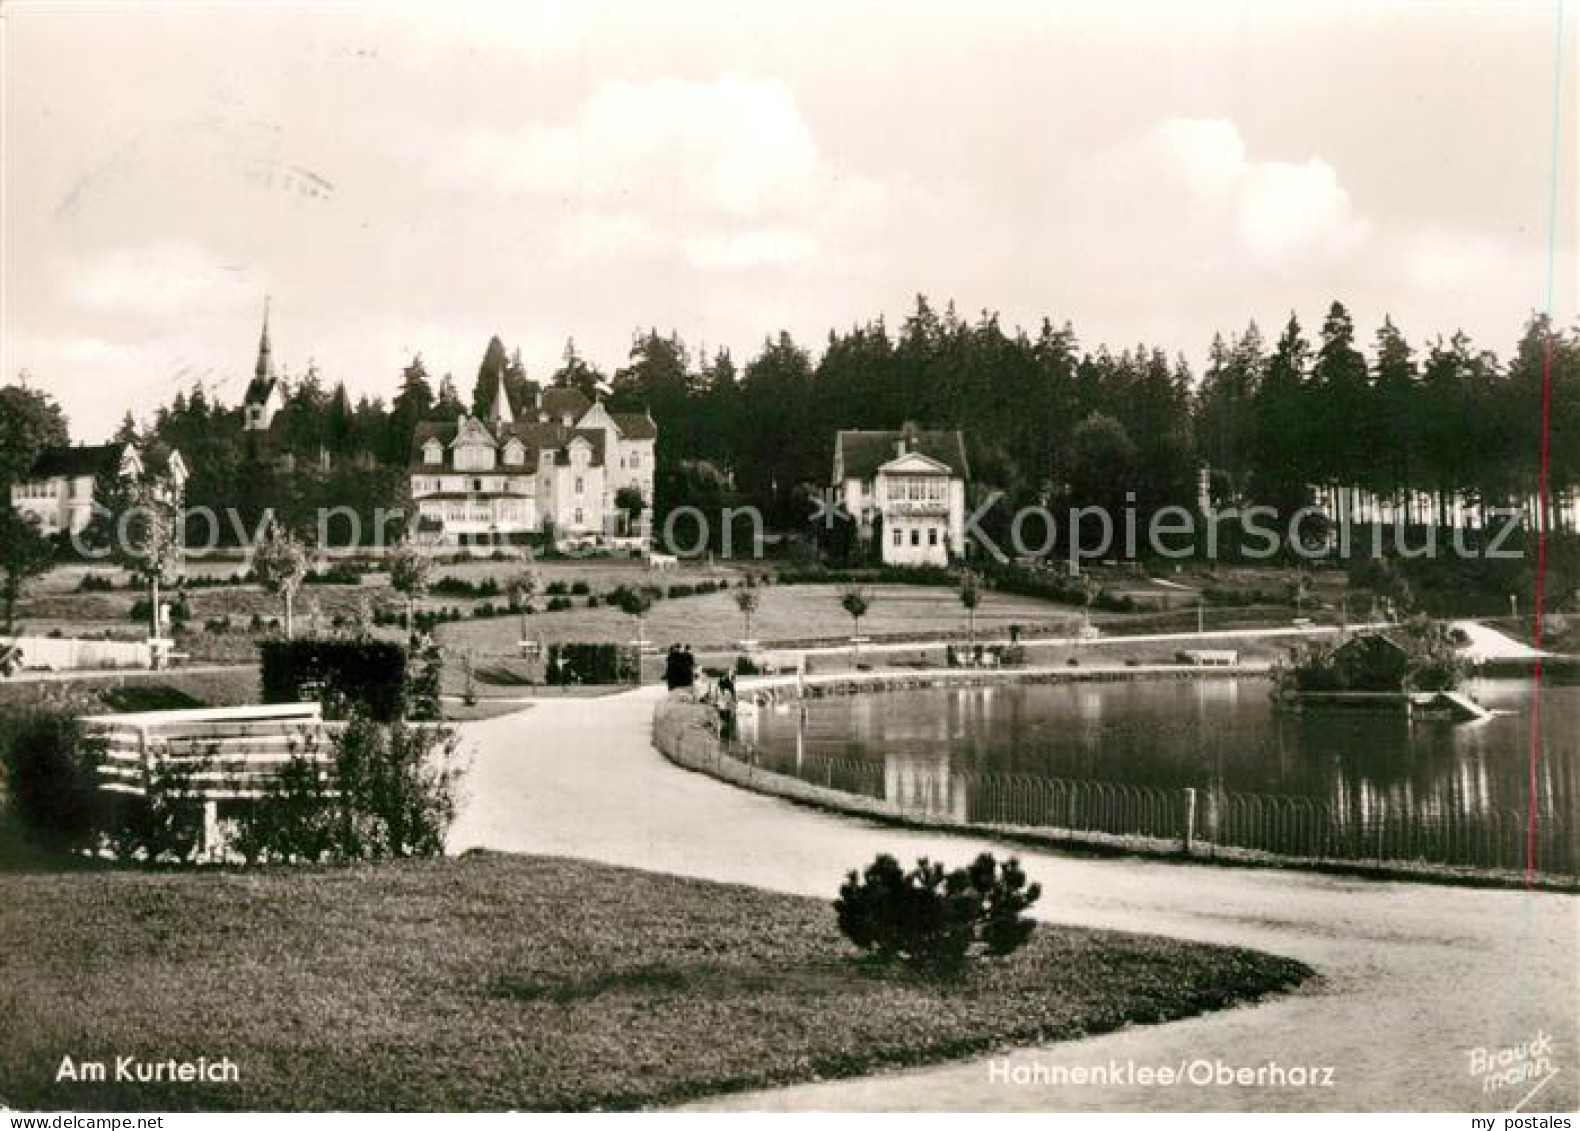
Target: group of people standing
[[680, 667], [680, 674]]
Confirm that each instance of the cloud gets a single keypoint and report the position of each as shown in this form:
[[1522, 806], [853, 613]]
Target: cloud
[[157, 280], [780, 247], [735, 146], [1279, 212]]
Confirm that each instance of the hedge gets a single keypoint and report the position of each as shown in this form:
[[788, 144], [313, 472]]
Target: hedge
[[366, 675]]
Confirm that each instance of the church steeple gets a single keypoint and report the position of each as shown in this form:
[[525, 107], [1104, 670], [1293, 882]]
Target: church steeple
[[499, 412], [264, 370]]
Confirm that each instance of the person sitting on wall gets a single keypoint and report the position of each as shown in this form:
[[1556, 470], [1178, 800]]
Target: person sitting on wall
[[686, 667], [672, 678]]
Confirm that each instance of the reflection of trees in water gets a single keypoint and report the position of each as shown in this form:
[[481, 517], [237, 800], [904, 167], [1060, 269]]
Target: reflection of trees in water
[[1214, 735]]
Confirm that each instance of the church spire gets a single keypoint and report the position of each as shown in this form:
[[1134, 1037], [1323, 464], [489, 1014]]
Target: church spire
[[500, 412], [265, 367]]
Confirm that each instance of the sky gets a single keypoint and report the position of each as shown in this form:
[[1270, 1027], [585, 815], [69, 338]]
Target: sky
[[397, 179]]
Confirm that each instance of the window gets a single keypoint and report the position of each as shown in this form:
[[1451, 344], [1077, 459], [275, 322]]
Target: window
[[477, 484], [432, 452], [474, 457], [578, 516], [916, 537], [932, 536], [636, 460], [899, 536], [578, 484]]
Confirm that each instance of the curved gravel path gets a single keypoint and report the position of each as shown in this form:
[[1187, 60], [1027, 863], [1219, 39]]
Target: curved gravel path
[[1415, 977]]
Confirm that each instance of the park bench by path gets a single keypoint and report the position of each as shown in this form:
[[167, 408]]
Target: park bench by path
[[229, 753]]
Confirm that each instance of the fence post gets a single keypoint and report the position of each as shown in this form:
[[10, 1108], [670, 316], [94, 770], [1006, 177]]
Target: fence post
[[1190, 819]]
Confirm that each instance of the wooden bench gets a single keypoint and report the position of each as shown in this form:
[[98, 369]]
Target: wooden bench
[[224, 754]]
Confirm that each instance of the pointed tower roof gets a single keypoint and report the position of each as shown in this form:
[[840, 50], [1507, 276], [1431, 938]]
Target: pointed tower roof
[[263, 376], [265, 367], [499, 412]]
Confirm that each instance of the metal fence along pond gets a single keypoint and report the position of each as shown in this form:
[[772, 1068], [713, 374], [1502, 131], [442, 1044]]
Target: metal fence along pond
[[1200, 821]]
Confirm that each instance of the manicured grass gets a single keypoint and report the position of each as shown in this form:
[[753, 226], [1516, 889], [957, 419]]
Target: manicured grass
[[108, 692], [787, 612], [491, 982]]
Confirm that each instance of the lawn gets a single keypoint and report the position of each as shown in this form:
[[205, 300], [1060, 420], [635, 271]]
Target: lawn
[[493, 982], [788, 613], [106, 692]]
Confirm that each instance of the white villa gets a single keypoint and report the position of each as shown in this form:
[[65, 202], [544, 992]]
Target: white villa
[[59, 489], [907, 488], [493, 482]]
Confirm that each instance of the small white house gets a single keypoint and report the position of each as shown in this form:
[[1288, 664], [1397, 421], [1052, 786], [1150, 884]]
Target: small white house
[[907, 489], [59, 489]]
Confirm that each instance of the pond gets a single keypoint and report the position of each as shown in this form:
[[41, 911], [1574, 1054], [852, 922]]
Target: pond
[[954, 747]]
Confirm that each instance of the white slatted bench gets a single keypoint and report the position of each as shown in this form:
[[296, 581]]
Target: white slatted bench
[[234, 752]]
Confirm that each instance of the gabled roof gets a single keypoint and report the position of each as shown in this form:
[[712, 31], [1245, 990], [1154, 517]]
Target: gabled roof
[[561, 400], [594, 438], [161, 459], [535, 436], [259, 389], [861, 453], [472, 430], [915, 463], [1372, 642], [92, 459], [635, 425]]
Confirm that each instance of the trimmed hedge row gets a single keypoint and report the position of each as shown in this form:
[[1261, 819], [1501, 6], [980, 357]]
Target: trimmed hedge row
[[369, 675]]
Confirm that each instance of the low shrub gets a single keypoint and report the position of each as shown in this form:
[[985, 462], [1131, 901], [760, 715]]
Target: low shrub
[[141, 610], [872, 575], [935, 918], [51, 767], [392, 792], [451, 586], [163, 824], [338, 574]]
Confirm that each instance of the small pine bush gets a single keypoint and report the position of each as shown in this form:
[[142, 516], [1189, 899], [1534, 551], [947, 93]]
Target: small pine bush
[[933, 918]]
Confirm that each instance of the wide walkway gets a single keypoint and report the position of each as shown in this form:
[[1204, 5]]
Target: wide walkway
[[1415, 977]]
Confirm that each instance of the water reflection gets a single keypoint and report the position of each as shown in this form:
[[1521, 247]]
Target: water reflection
[[1217, 736]]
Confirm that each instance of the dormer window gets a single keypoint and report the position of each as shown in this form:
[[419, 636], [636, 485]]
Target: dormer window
[[514, 452], [433, 452], [474, 457]]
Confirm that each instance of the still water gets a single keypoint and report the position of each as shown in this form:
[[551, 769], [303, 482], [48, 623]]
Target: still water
[[1213, 734]]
